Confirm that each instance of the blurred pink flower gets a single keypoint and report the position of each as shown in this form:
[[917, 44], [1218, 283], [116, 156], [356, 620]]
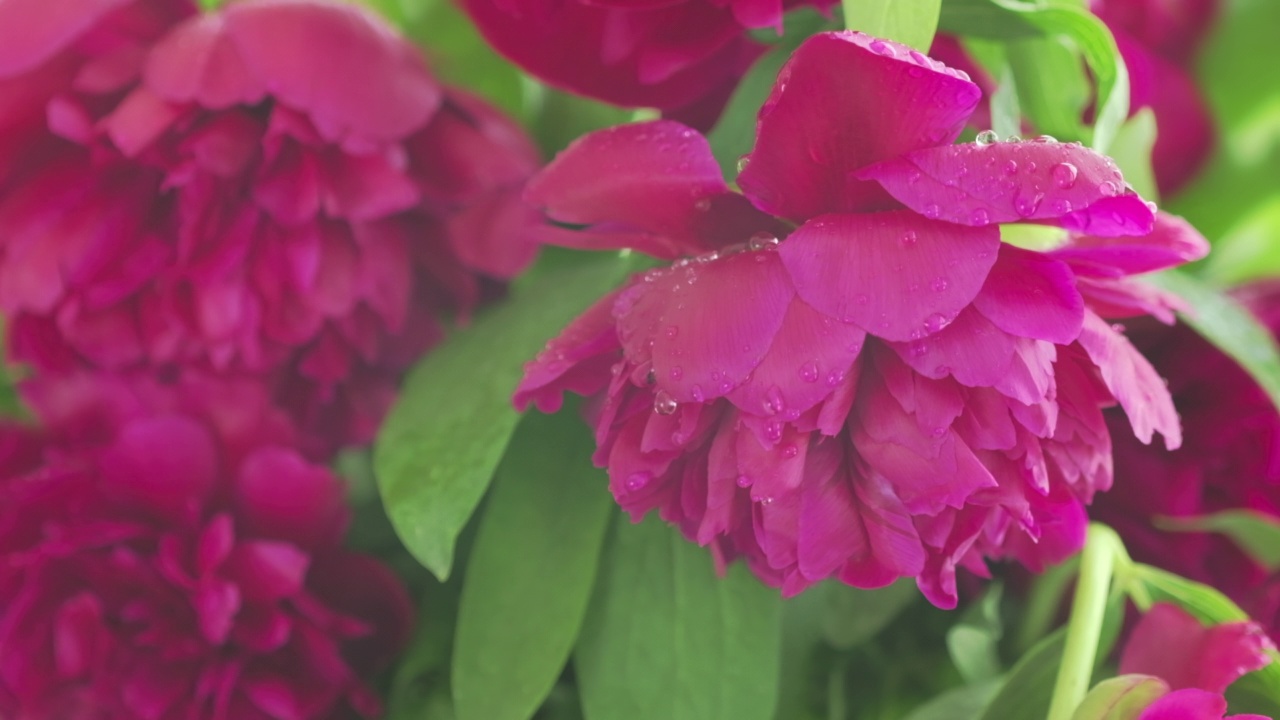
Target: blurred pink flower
[[886, 390], [179, 193], [1159, 40], [680, 56], [154, 563], [1230, 460]]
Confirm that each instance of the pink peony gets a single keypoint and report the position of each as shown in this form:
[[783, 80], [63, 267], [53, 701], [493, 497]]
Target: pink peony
[[179, 193], [886, 390], [1159, 40], [155, 563], [1230, 460], [681, 56]]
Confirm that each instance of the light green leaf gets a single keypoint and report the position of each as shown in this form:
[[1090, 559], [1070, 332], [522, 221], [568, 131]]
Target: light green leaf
[[852, 616], [1250, 249], [1230, 327], [531, 571], [1256, 533], [1052, 88], [984, 19], [910, 22], [420, 685], [974, 641], [1028, 687], [665, 639], [440, 444], [1120, 698], [963, 703], [1132, 152]]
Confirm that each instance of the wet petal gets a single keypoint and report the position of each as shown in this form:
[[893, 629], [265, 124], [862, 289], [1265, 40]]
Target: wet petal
[[842, 102], [1133, 382], [1172, 241], [1171, 644], [979, 184], [1032, 295], [895, 274], [653, 187], [561, 366], [32, 31]]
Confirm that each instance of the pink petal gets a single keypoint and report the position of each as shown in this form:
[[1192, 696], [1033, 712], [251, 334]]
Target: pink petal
[[1171, 242], [32, 31], [1172, 645], [1187, 704], [810, 355], [842, 102], [1133, 382], [895, 544], [166, 464], [979, 184], [279, 495], [1032, 295], [653, 187], [78, 635], [895, 274], [196, 62], [566, 362], [831, 529], [267, 571], [709, 324]]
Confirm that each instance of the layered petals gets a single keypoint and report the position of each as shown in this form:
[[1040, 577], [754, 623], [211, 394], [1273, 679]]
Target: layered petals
[[1172, 645]]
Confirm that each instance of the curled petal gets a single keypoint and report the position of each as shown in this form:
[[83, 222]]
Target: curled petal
[[1032, 295], [894, 274], [1172, 645], [1133, 382], [566, 363], [1172, 241], [32, 31], [818, 126], [979, 184]]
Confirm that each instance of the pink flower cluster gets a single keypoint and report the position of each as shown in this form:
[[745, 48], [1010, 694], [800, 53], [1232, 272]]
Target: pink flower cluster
[[224, 237], [846, 373]]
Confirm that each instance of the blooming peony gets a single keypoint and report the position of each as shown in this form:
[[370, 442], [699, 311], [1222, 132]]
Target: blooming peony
[[684, 56], [1158, 40], [179, 193], [887, 389], [1230, 460], [157, 564]]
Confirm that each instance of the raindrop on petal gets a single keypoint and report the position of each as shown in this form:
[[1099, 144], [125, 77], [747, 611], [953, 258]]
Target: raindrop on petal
[[762, 241], [1064, 175], [809, 372], [987, 137], [1108, 188], [980, 217], [637, 480], [744, 481], [663, 403]]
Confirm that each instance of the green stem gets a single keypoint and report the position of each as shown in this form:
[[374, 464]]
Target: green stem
[[1088, 608]]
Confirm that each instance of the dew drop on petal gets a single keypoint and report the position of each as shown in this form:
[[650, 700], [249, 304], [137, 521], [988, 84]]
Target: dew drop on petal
[[672, 331], [987, 137], [936, 322], [789, 451], [637, 480], [809, 372], [1108, 188], [980, 217], [919, 348], [744, 481], [743, 162], [766, 500], [773, 431], [835, 377], [909, 238], [1064, 175], [663, 403], [773, 402], [1044, 139], [1150, 205], [676, 373], [1013, 139], [932, 211], [762, 241], [861, 299], [696, 392], [938, 431], [881, 47], [940, 284], [1011, 167]]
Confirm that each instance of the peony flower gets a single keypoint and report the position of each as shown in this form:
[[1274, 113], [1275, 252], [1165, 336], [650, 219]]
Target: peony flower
[[846, 373], [168, 570], [1230, 461], [181, 194], [682, 56], [1158, 40]]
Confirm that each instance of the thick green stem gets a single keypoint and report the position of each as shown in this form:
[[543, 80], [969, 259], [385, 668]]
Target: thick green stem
[[1088, 608]]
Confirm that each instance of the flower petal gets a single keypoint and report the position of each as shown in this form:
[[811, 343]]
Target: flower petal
[[166, 464], [1032, 295], [279, 495], [895, 274], [979, 184], [652, 187], [1133, 382], [1171, 644], [569, 361], [842, 102], [1172, 241], [32, 31]]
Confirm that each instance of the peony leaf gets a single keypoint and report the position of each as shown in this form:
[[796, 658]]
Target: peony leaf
[[440, 444], [1228, 326], [983, 19], [665, 639], [910, 22], [852, 616], [973, 642], [1248, 251], [1028, 687], [1120, 698], [1256, 533], [531, 570], [963, 703]]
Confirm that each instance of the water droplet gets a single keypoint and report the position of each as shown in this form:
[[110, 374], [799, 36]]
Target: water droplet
[[986, 137], [940, 284], [672, 331], [726, 386], [918, 348], [697, 394], [835, 377], [773, 431], [1027, 206], [1013, 138], [744, 481], [980, 217], [861, 299], [1150, 206], [766, 500], [773, 401], [932, 211], [1064, 175], [936, 322], [743, 162], [676, 373], [1031, 167], [942, 370], [913, 177], [1108, 188], [881, 47], [762, 241], [1061, 207], [1011, 167], [637, 480], [919, 58], [809, 372], [716, 375], [789, 451], [909, 238], [663, 403], [938, 431]]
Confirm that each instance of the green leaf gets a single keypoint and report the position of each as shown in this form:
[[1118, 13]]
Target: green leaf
[[1094, 41], [1052, 88], [1256, 533], [852, 616], [1230, 327], [1248, 251], [974, 641], [1132, 152], [420, 685], [1120, 698], [563, 118], [440, 444], [802, 655], [963, 703], [1028, 687], [665, 639], [984, 19], [531, 571], [910, 22]]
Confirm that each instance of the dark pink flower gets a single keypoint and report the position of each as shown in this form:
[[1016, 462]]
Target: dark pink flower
[[1230, 460], [684, 56], [886, 390], [182, 192], [1159, 39], [154, 564]]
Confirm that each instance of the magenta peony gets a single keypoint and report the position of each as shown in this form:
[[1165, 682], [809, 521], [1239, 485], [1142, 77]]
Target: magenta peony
[[1159, 40], [179, 193], [157, 563], [681, 56], [886, 390], [1230, 460]]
